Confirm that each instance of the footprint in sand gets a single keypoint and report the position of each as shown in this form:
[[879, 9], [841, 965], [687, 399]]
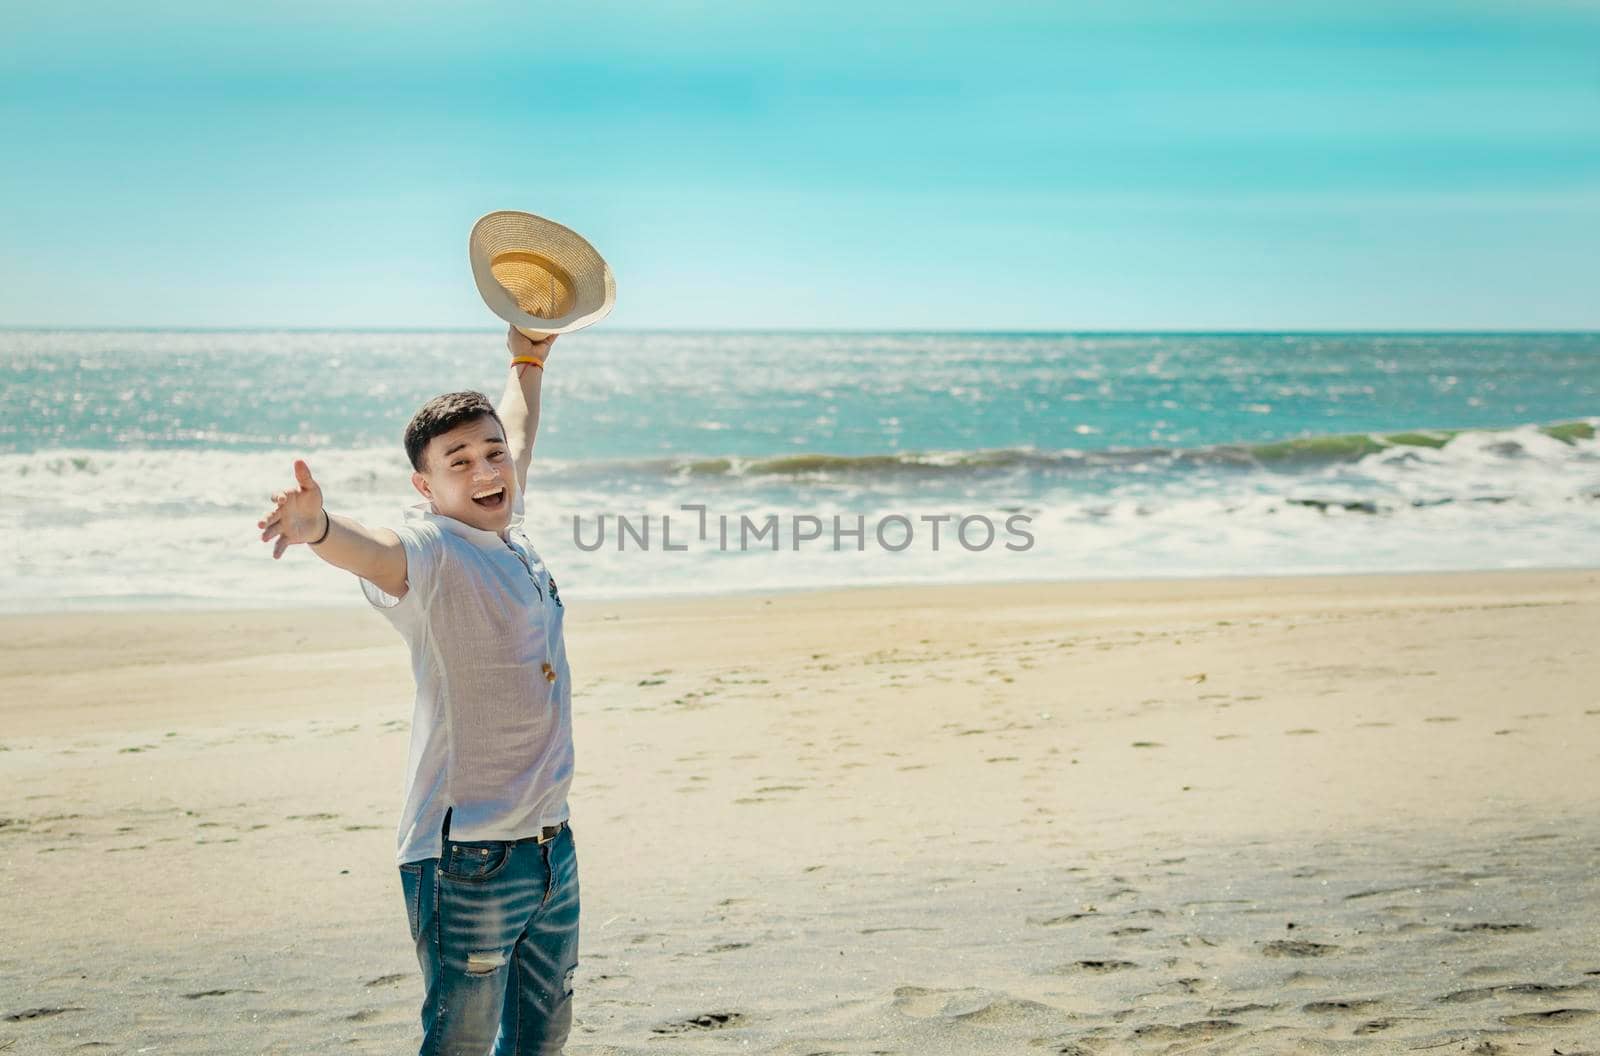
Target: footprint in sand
[[704, 1021], [1305, 979], [1360, 1005], [1554, 1017], [39, 1013], [1488, 926], [1198, 1030], [970, 1005], [1096, 967], [1483, 993], [1376, 1026], [1297, 948]]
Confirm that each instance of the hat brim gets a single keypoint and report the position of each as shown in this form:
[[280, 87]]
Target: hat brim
[[589, 292]]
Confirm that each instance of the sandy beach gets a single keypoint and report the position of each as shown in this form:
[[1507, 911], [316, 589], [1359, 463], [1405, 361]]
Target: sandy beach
[[1302, 815]]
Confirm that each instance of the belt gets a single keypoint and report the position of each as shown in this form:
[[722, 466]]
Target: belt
[[545, 835]]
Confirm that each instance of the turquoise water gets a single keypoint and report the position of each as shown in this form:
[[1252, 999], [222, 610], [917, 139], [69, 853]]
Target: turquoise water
[[133, 464], [626, 396]]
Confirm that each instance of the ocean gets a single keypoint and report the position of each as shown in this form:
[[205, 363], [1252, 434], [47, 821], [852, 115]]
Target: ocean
[[135, 464]]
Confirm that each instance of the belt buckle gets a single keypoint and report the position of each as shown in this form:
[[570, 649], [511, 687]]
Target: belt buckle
[[542, 839]]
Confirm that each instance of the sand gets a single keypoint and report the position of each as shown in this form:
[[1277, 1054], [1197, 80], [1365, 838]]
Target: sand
[[1301, 815]]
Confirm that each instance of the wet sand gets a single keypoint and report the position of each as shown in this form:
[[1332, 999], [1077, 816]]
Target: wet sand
[[1303, 815]]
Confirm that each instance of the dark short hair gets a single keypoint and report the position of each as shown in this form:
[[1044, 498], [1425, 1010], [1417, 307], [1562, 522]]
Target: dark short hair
[[442, 414]]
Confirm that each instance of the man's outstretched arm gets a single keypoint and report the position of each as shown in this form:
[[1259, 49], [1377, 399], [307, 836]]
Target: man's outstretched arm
[[298, 516], [519, 407]]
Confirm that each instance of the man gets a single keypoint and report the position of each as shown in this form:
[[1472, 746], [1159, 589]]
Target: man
[[487, 861]]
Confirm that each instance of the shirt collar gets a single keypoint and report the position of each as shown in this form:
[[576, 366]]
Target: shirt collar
[[425, 511]]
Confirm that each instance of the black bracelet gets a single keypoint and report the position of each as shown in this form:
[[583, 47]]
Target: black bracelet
[[327, 526]]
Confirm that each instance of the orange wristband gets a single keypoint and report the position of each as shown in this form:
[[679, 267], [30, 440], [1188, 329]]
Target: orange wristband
[[528, 359]]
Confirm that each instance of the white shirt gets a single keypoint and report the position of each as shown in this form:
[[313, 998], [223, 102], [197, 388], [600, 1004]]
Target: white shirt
[[491, 737]]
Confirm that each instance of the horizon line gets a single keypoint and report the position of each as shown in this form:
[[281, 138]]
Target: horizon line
[[1094, 332]]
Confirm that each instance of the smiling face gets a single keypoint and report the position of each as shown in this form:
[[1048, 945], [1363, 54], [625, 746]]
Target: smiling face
[[468, 473]]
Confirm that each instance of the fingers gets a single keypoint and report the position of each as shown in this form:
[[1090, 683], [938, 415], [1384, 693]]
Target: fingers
[[521, 344], [271, 516], [272, 524], [302, 473]]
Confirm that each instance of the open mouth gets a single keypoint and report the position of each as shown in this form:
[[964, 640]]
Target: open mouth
[[491, 498]]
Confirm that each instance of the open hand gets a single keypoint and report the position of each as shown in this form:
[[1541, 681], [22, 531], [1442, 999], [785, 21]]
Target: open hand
[[520, 345], [296, 515]]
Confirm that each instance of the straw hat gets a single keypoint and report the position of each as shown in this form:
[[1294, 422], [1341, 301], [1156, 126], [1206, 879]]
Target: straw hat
[[538, 276]]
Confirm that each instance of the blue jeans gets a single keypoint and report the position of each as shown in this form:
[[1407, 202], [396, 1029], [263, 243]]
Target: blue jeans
[[496, 928]]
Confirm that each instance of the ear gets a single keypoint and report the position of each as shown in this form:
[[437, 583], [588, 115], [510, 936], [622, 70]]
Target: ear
[[420, 482]]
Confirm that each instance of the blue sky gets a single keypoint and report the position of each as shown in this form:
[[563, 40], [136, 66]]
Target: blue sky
[[893, 165]]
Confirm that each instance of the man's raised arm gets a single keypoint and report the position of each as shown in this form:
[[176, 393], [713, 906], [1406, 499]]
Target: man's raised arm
[[519, 407], [297, 516]]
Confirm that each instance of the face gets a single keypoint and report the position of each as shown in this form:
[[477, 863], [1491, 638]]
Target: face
[[470, 460]]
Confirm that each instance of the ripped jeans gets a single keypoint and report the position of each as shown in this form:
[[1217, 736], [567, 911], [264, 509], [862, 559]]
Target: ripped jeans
[[496, 928]]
